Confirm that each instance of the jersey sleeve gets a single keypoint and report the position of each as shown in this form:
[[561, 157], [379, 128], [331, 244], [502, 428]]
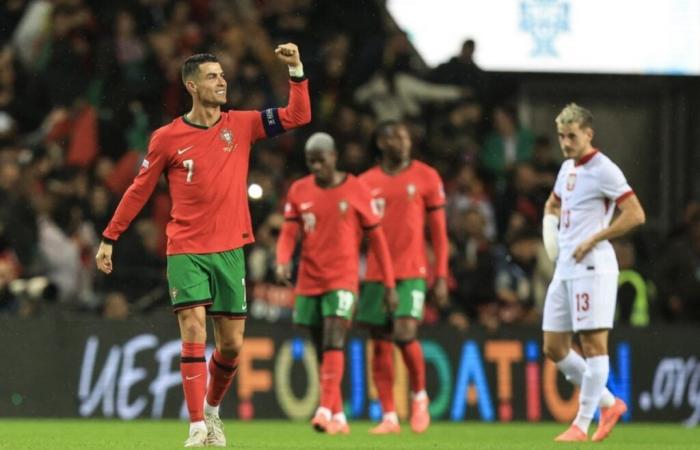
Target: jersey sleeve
[[140, 190], [613, 183], [291, 210], [274, 121], [434, 196]]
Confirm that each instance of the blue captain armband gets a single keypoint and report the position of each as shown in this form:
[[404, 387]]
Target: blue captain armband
[[271, 122]]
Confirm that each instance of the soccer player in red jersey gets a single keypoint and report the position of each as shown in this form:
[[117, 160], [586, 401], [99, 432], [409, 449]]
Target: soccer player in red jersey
[[331, 210], [408, 193], [205, 157]]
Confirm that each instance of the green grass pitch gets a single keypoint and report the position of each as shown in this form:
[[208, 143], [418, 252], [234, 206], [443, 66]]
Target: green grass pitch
[[47, 434]]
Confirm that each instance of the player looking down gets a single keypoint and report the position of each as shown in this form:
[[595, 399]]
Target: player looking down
[[330, 211]]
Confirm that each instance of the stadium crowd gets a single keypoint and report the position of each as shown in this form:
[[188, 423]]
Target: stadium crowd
[[83, 83]]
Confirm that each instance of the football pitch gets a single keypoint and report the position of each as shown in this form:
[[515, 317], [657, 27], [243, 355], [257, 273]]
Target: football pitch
[[47, 434]]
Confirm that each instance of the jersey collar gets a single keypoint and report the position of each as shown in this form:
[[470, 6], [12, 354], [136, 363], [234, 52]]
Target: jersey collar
[[196, 125], [586, 158]]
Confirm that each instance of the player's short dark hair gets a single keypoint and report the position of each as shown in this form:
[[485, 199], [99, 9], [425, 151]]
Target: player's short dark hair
[[191, 64]]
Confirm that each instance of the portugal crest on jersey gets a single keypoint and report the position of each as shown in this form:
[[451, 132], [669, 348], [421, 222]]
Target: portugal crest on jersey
[[343, 207], [411, 190], [226, 135], [570, 182]]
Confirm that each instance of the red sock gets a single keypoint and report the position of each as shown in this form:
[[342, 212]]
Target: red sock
[[193, 368], [221, 373], [383, 373], [338, 403], [412, 354], [331, 376]]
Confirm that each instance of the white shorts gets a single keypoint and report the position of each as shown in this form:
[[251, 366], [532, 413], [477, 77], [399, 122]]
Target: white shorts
[[586, 303]]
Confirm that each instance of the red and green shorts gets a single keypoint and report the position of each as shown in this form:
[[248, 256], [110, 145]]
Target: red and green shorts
[[310, 311], [371, 310], [214, 280]]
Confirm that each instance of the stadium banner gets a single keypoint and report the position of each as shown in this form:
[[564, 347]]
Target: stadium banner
[[128, 370]]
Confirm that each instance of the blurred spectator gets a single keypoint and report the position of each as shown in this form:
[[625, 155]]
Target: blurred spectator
[[634, 292], [461, 70], [515, 279], [395, 93], [679, 275], [455, 135], [523, 201], [506, 145], [466, 191], [545, 164], [472, 263], [261, 257]]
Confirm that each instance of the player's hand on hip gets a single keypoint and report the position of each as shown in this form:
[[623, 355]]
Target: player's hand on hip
[[283, 273], [583, 249], [440, 293], [289, 54], [104, 258], [391, 299]]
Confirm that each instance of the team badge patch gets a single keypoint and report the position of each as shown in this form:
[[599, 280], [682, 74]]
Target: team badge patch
[[226, 135], [343, 206], [411, 189], [571, 182]]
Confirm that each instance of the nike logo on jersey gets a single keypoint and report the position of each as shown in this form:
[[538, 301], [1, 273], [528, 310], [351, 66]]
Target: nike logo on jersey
[[375, 192], [192, 378], [183, 150], [578, 319], [305, 205]]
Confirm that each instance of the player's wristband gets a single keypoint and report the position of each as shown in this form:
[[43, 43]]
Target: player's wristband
[[296, 71], [108, 240]]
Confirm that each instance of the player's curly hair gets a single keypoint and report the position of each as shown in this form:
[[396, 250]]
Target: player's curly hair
[[382, 129], [573, 113]]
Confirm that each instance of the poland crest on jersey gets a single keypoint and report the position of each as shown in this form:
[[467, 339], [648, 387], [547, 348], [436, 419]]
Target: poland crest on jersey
[[570, 182], [226, 135]]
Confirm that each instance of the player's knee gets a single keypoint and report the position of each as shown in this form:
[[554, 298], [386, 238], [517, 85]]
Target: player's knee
[[554, 351], [231, 347], [404, 331], [193, 331]]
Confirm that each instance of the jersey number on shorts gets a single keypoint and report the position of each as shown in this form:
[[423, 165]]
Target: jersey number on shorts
[[582, 302], [417, 300], [189, 165], [344, 302]]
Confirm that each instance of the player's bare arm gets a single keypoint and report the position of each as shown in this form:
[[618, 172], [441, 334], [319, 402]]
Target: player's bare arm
[[104, 257], [440, 292], [283, 273], [631, 216]]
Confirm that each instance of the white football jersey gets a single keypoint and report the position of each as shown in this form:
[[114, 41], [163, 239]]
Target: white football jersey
[[588, 192]]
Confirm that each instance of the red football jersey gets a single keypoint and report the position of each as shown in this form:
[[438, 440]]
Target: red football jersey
[[332, 221], [207, 172], [403, 200]]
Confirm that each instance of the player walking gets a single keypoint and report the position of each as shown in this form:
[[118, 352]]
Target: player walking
[[581, 297], [205, 157], [408, 194], [331, 209]]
